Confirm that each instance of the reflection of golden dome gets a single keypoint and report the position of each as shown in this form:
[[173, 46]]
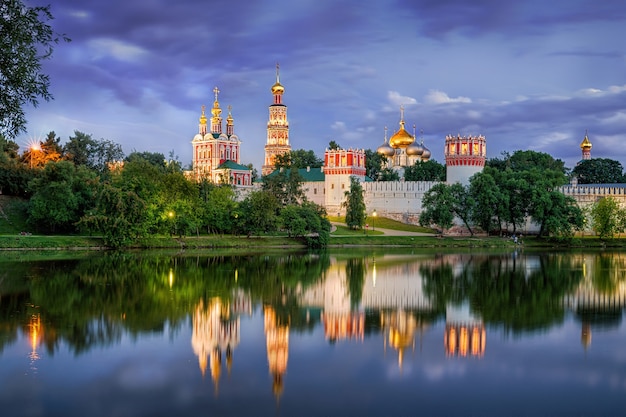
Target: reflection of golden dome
[[402, 138]]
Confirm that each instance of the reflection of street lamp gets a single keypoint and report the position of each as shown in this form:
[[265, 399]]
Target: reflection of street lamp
[[374, 220]]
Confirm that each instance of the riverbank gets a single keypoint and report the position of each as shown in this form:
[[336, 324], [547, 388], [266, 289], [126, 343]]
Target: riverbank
[[371, 238]]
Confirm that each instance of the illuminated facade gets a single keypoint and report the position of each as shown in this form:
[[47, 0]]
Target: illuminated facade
[[465, 156], [216, 154], [214, 334], [277, 343], [402, 149], [277, 128]]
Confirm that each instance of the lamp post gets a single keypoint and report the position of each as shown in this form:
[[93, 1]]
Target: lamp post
[[33, 148], [374, 214]]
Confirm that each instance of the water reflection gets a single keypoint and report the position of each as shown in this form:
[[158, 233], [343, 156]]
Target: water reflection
[[398, 299]]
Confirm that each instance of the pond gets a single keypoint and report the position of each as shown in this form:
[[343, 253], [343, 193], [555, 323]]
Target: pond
[[380, 332]]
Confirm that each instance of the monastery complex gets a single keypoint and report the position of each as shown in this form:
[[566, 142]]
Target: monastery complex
[[216, 157]]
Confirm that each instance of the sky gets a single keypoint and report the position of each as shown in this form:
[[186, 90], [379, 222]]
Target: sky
[[528, 75]]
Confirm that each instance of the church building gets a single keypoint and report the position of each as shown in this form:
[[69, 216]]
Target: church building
[[216, 154]]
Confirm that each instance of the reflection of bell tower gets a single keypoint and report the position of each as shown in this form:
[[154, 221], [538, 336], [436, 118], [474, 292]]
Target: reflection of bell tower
[[277, 339], [213, 333]]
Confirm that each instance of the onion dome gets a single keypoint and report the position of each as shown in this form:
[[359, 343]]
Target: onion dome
[[586, 143], [278, 88], [426, 154], [385, 149], [402, 138], [415, 149], [203, 118], [198, 137]]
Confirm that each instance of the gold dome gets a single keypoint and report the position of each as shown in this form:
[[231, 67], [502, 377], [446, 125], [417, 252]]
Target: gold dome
[[203, 118], [402, 138], [278, 88], [586, 143]]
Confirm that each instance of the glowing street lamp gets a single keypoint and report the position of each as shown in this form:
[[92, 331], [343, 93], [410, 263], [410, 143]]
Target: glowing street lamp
[[34, 147], [374, 214]]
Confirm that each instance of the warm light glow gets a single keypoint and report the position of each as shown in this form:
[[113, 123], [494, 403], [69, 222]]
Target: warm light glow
[[171, 278]]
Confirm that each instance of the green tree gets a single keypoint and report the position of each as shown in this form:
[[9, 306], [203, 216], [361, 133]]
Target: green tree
[[155, 158], [333, 146], [599, 171], [308, 221], [119, 215], [374, 163], [299, 159], [388, 174], [26, 39], [61, 196], [257, 213], [355, 205], [437, 207], [607, 218], [489, 202], [286, 185], [219, 208], [430, 170], [82, 149]]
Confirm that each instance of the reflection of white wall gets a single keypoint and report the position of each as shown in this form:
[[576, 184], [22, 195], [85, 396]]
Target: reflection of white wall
[[395, 286], [461, 314]]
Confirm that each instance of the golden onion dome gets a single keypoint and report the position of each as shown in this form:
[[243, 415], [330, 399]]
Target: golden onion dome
[[216, 111], [402, 138], [586, 143], [203, 118], [278, 88]]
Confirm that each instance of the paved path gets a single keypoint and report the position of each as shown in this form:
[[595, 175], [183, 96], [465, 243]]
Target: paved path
[[387, 232]]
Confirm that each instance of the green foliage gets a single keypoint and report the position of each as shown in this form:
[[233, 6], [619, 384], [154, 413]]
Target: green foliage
[[373, 164], [489, 201], [599, 171], [437, 208], [607, 218], [355, 205], [61, 195], [219, 209], [525, 160], [26, 39], [443, 202], [430, 170], [155, 158], [95, 154], [257, 213], [307, 220], [286, 185], [119, 216], [298, 159], [333, 146], [388, 174]]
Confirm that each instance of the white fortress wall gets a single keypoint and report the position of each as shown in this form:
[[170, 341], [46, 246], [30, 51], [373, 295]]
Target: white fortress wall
[[399, 200]]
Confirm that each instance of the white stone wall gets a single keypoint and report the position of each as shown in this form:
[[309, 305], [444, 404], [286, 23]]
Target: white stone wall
[[400, 200]]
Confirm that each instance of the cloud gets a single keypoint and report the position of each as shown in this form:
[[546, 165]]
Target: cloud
[[439, 97]]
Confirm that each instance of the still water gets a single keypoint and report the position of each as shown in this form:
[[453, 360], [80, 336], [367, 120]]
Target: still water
[[359, 332]]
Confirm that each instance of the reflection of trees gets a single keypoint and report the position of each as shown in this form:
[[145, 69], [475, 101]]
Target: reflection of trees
[[609, 270], [504, 289], [92, 302], [355, 275]]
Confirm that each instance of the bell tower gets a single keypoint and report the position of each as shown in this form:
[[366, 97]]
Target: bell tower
[[277, 128]]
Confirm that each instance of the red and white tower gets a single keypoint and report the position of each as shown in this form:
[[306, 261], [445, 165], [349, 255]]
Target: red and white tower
[[465, 156], [277, 128], [339, 166]]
